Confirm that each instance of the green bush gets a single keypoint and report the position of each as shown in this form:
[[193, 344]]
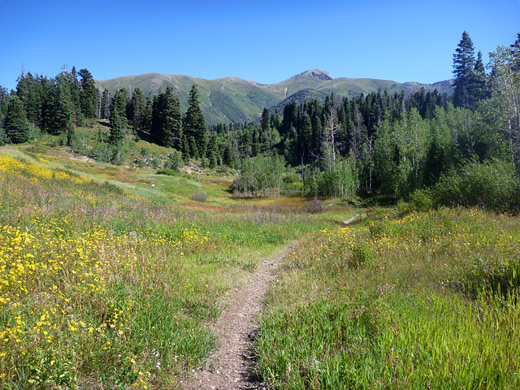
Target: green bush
[[421, 200], [166, 171], [260, 177], [175, 161], [492, 184]]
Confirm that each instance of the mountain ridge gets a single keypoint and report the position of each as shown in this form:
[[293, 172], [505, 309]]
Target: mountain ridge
[[232, 99]]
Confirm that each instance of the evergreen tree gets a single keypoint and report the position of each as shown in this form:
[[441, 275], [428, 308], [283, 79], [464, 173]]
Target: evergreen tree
[[16, 126], [463, 66], [74, 86], [59, 106], [166, 120], [194, 123], [117, 132], [276, 121], [105, 104], [135, 110], [212, 150], [228, 158], [118, 117], [515, 54], [478, 86], [4, 97], [118, 104], [28, 90], [146, 117], [88, 96]]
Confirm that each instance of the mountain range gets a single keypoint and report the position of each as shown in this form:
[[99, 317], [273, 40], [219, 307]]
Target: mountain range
[[232, 99]]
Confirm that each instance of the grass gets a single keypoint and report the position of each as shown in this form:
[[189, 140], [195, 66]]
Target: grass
[[110, 277], [103, 284], [428, 300]]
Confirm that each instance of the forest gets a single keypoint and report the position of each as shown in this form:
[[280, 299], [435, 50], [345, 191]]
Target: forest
[[446, 146]]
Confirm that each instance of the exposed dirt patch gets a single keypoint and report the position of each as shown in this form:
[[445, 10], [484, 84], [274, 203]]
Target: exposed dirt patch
[[232, 365]]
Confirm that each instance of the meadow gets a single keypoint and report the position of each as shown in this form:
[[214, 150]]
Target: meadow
[[426, 300], [103, 284], [110, 277]]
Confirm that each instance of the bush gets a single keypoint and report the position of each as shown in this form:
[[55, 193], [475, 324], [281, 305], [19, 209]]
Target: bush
[[199, 196], [342, 180], [315, 206], [260, 176], [166, 171], [155, 161], [492, 184], [175, 161], [421, 200]]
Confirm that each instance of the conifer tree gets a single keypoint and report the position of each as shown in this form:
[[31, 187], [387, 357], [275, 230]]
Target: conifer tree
[[87, 97], [146, 117], [16, 126], [74, 86], [166, 119], [58, 105], [28, 90], [105, 104], [515, 54], [135, 110], [478, 86], [463, 65], [194, 123], [118, 117]]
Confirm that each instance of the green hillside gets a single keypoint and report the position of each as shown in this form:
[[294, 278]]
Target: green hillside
[[232, 99]]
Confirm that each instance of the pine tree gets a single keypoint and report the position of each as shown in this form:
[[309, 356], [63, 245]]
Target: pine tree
[[28, 90], [135, 110], [146, 117], [74, 92], [515, 54], [105, 104], [166, 119], [87, 97], [194, 123], [276, 121], [118, 117], [58, 105], [478, 86], [212, 150], [463, 65], [16, 126]]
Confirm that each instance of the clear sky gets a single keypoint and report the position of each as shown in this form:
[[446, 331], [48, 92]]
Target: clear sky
[[266, 41]]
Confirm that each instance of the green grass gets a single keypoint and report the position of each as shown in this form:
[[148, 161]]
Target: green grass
[[429, 300], [107, 282]]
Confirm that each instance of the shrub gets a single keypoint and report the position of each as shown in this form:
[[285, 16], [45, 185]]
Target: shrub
[[315, 206], [492, 184], [166, 171], [175, 161], [199, 196], [260, 176], [421, 200]]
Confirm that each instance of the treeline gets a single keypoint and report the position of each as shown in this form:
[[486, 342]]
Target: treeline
[[373, 144], [395, 145], [53, 105]]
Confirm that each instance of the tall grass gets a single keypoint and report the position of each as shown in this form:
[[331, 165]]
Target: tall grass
[[100, 287], [429, 300]]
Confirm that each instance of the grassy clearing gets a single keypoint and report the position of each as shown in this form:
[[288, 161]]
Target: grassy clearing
[[428, 300], [103, 287]]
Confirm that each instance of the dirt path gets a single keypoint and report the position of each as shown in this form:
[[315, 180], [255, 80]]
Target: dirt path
[[231, 366]]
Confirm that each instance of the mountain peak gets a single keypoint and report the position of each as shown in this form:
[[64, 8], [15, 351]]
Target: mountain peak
[[316, 74]]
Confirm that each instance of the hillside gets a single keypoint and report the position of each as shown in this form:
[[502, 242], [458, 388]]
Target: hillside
[[232, 99]]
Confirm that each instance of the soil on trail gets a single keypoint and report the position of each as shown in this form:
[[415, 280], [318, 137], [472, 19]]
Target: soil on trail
[[232, 365]]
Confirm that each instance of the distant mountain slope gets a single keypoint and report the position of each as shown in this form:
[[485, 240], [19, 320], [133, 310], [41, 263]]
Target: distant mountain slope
[[232, 99]]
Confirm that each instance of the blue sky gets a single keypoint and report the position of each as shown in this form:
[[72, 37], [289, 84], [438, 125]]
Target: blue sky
[[266, 41]]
